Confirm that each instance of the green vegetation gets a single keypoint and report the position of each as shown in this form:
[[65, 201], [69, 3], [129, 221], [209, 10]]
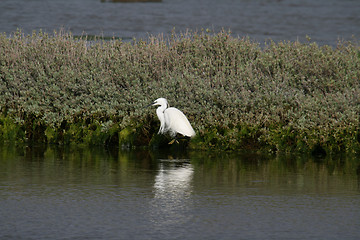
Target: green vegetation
[[286, 96]]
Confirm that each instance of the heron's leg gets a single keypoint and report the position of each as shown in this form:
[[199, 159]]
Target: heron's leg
[[177, 137], [174, 140]]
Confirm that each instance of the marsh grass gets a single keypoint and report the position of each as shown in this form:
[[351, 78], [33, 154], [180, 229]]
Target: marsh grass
[[285, 96]]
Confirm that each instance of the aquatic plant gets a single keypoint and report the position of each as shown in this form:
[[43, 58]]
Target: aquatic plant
[[285, 96]]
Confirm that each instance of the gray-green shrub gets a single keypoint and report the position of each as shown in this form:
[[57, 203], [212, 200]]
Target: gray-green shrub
[[236, 93]]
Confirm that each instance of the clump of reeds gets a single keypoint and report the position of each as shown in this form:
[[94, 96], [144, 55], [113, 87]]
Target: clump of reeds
[[237, 94]]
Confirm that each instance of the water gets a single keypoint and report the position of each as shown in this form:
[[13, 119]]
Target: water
[[83, 193], [325, 21]]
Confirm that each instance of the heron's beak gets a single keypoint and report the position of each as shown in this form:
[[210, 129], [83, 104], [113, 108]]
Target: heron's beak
[[149, 105]]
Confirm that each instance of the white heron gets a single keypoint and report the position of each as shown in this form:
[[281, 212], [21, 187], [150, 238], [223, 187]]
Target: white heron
[[172, 120]]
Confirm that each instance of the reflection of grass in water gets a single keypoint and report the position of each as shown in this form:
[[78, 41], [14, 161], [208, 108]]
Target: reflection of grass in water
[[282, 97], [301, 173], [216, 169]]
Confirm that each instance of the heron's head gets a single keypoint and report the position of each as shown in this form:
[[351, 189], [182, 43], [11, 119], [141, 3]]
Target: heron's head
[[161, 102]]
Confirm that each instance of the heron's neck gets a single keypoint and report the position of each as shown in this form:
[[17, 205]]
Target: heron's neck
[[160, 113], [162, 108]]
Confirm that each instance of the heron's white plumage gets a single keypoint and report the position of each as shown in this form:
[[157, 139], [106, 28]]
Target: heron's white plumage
[[172, 120], [176, 122]]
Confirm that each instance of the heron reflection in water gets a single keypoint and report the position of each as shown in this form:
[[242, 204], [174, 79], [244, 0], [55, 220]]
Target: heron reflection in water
[[172, 194], [173, 180]]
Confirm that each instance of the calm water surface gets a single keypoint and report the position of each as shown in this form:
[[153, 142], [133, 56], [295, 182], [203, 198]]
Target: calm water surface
[[82, 193], [325, 21]]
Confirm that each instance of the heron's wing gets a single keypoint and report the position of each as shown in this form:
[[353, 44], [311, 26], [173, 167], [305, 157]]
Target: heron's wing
[[176, 122]]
